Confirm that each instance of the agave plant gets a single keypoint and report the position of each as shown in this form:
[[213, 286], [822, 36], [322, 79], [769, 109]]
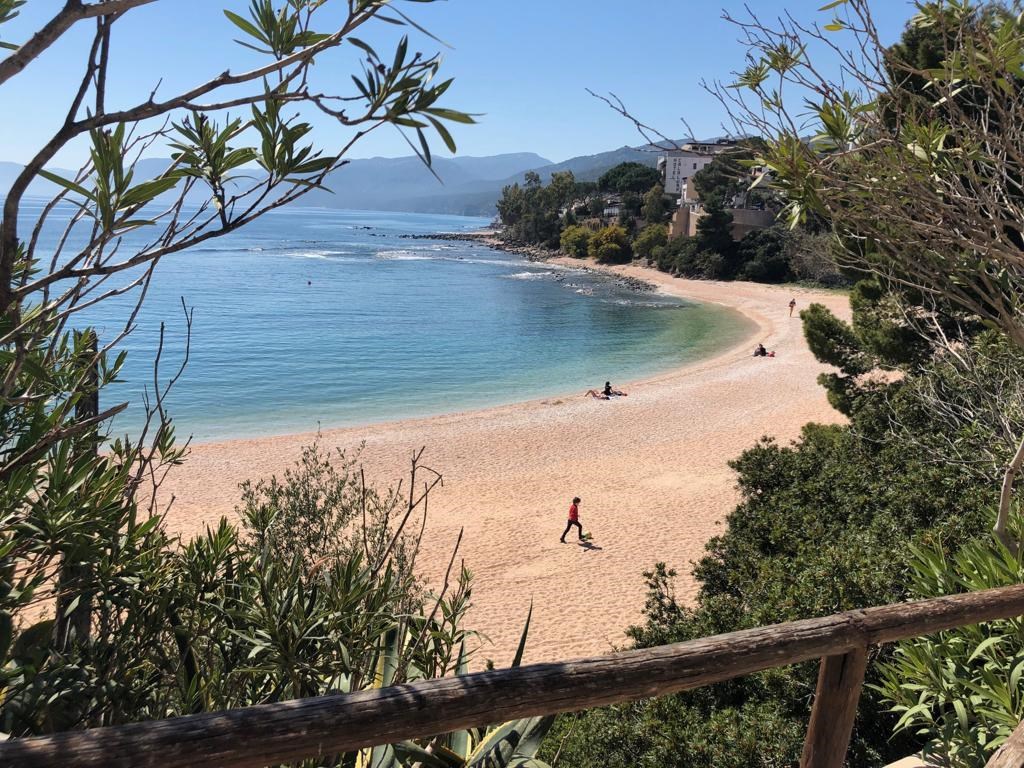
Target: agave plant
[[511, 745]]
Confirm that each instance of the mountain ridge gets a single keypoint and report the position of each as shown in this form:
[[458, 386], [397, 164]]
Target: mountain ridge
[[469, 185]]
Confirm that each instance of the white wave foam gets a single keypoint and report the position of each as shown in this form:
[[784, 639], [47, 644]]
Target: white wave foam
[[498, 262], [405, 254], [528, 275], [228, 249], [316, 254]]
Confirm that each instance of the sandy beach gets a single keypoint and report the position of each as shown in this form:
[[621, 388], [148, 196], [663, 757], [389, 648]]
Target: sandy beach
[[651, 468]]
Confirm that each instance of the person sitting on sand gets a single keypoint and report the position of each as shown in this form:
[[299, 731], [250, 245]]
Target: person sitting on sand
[[760, 351], [574, 519], [609, 392]]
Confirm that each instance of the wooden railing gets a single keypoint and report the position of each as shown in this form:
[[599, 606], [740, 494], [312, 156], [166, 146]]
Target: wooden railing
[[268, 734]]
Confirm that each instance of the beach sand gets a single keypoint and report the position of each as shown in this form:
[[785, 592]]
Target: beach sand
[[651, 468]]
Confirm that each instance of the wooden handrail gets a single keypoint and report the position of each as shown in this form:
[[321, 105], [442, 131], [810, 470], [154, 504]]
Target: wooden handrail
[[253, 737]]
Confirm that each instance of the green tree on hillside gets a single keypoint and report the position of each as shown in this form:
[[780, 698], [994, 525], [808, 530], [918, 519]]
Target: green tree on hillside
[[714, 241], [655, 209], [532, 213], [651, 237], [629, 177], [727, 175], [764, 255]]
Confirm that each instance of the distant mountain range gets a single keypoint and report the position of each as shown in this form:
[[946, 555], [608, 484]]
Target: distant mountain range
[[468, 186]]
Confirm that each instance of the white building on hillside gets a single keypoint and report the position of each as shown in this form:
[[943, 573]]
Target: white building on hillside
[[678, 166]]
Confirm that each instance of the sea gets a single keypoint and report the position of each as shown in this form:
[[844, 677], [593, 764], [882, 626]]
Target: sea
[[313, 318]]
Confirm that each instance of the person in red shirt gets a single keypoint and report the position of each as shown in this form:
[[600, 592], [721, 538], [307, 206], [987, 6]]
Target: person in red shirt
[[574, 519]]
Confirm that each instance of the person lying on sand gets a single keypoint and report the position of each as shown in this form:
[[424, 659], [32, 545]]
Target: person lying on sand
[[596, 395], [760, 351]]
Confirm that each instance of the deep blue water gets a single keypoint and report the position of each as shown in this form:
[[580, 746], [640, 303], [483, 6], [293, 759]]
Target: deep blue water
[[316, 317]]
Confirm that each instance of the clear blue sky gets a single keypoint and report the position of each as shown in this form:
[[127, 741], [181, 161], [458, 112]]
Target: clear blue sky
[[524, 64]]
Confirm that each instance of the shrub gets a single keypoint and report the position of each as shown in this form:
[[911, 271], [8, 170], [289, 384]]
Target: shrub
[[963, 689], [824, 525], [294, 601], [575, 241], [655, 209], [763, 256], [652, 236], [610, 245], [629, 177]]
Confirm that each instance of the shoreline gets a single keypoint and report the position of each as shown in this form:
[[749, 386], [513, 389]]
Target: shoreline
[[632, 283], [652, 469], [537, 254]]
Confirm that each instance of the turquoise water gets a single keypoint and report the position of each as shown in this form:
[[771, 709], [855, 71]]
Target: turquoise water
[[315, 317]]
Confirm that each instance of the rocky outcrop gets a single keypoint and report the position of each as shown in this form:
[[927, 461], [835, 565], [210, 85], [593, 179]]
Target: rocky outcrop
[[492, 239]]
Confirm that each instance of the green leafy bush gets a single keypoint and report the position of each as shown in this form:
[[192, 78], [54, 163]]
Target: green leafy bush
[[961, 690], [651, 237], [575, 241], [610, 245], [824, 525], [295, 601], [629, 177], [763, 256]]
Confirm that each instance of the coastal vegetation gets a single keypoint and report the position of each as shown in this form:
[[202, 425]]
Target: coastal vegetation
[[106, 617], [629, 178], [829, 523], [566, 214], [914, 179]]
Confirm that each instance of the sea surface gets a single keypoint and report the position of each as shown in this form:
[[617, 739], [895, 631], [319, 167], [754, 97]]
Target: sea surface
[[313, 318]]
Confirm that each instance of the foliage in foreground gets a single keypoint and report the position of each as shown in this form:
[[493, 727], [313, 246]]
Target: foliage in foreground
[[509, 745], [962, 690], [296, 600], [105, 617]]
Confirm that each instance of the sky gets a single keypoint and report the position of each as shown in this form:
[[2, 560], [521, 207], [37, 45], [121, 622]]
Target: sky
[[522, 65]]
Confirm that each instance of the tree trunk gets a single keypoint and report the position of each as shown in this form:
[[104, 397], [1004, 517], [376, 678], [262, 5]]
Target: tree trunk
[[1006, 497], [73, 624]]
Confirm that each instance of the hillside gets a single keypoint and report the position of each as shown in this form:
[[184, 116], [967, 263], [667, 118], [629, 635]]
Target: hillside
[[463, 185], [478, 197]]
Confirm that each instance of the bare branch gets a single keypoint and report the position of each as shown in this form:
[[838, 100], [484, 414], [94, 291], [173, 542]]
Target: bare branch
[[72, 12]]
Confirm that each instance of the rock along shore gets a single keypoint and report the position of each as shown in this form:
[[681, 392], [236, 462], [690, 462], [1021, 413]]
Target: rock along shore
[[492, 239]]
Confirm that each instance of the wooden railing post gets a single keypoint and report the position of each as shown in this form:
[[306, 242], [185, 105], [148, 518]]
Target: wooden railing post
[[840, 679], [1011, 754]]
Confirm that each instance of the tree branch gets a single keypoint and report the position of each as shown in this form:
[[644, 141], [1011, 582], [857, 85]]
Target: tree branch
[[72, 12]]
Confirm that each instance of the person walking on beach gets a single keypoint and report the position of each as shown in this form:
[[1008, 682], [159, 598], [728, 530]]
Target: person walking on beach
[[574, 519], [792, 306]]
